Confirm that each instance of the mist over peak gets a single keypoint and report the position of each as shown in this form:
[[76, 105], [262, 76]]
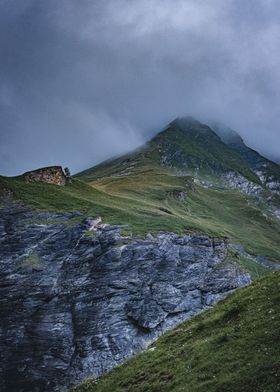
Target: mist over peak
[[228, 135], [81, 82]]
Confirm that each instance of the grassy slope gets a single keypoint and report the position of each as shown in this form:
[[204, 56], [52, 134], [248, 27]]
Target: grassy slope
[[231, 348], [143, 196], [144, 201], [186, 146], [217, 212], [201, 147]]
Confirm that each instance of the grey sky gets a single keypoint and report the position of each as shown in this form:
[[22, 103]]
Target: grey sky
[[82, 80]]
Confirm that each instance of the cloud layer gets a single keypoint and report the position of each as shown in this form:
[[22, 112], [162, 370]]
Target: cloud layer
[[81, 81]]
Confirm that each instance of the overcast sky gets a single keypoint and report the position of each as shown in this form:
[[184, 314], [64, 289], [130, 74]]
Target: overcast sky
[[82, 80]]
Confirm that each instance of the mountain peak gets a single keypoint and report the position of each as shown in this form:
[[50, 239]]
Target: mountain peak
[[189, 123], [185, 121], [227, 135]]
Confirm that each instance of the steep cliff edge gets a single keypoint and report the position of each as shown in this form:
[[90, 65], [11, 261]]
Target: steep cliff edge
[[77, 299]]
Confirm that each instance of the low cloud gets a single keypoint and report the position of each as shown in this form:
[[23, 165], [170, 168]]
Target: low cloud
[[82, 81]]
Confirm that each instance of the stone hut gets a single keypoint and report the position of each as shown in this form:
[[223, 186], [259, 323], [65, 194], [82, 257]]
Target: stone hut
[[50, 175]]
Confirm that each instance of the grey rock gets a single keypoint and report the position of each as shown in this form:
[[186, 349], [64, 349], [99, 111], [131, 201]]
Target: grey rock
[[236, 181], [74, 305]]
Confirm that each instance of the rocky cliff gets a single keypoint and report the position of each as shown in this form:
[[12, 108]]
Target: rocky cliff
[[50, 175], [79, 298]]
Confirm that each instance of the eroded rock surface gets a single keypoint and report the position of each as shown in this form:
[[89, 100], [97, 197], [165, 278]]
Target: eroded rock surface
[[50, 175], [240, 183], [74, 302]]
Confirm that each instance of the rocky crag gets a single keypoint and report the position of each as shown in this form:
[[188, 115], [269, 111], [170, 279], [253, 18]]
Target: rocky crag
[[79, 298], [49, 175]]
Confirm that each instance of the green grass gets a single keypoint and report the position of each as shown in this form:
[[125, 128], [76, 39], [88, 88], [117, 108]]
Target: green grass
[[147, 188], [143, 201], [32, 260], [216, 212], [247, 264], [233, 347], [137, 191], [199, 146], [255, 270]]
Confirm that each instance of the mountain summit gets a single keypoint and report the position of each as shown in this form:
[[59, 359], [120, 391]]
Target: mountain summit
[[189, 147], [93, 271]]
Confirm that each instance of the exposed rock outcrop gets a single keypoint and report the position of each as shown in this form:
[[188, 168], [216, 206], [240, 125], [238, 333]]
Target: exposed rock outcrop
[[235, 181], [77, 299], [50, 175]]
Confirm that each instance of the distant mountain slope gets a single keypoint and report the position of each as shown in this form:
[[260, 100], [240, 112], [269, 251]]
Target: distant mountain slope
[[189, 159], [231, 348], [266, 170], [184, 179], [187, 146]]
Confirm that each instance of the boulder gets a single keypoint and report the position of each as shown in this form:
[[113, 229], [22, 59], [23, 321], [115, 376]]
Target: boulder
[[49, 175]]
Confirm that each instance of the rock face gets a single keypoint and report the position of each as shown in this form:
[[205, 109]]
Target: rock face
[[240, 183], [50, 175], [77, 299]]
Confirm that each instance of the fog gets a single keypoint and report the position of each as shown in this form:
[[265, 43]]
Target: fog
[[81, 81]]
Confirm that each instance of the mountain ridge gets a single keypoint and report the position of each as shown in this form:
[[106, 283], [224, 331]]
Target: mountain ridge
[[94, 270], [226, 151], [174, 184]]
